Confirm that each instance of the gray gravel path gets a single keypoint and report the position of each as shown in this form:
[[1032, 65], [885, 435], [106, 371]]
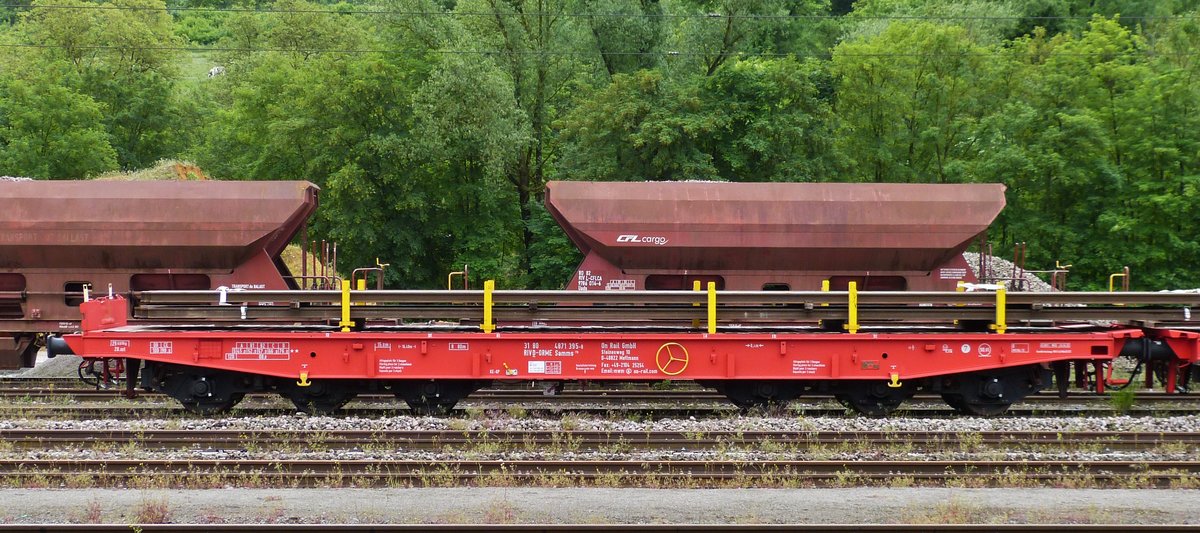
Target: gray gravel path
[[529, 505]]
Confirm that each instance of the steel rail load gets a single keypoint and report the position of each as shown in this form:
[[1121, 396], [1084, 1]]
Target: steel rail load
[[980, 351]]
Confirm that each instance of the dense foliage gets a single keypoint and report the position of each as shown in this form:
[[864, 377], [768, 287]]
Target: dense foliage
[[432, 126]]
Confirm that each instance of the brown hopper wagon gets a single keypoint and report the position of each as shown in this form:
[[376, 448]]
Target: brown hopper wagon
[[772, 236], [58, 238]]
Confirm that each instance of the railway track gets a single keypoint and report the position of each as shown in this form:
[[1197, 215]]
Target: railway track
[[156, 439], [39, 390], [587, 528], [120, 409], [151, 458], [294, 473]]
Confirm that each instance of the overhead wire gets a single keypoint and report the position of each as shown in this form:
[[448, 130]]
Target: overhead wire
[[442, 51], [665, 53], [698, 16]]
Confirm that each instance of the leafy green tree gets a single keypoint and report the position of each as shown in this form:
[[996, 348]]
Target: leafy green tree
[[11, 11], [529, 37], [122, 55], [986, 21], [754, 120], [466, 127], [1160, 156], [553, 257], [1061, 142], [49, 131], [711, 33], [412, 150], [628, 33], [908, 100], [772, 123], [638, 128]]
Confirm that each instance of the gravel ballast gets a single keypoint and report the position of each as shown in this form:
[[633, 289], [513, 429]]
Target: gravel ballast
[[491, 427]]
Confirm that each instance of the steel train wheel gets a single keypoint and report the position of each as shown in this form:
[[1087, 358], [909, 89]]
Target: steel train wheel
[[200, 390], [874, 398], [992, 392], [212, 406], [320, 397], [984, 409], [435, 397], [748, 395]]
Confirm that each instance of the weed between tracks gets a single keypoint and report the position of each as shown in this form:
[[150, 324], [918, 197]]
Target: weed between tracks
[[646, 475], [732, 459]]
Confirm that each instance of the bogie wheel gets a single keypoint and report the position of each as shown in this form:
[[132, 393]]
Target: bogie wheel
[[874, 398], [318, 397], [201, 391], [769, 396], [431, 407], [992, 393], [435, 397], [212, 406], [956, 402], [985, 409]]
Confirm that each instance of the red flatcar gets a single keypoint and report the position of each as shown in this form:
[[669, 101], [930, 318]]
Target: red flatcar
[[871, 349]]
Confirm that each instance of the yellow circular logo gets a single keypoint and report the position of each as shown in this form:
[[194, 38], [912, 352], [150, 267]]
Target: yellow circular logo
[[672, 359]]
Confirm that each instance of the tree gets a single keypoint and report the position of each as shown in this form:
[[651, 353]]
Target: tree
[[466, 127], [712, 32], [628, 34], [908, 100], [121, 55], [49, 131], [1060, 144], [529, 38], [754, 120]]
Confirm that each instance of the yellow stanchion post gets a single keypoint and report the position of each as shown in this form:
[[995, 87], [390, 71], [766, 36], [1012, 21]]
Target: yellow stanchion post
[[852, 322], [712, 307], [1001, 307], [346, 323], [696, 287], [488, 287]]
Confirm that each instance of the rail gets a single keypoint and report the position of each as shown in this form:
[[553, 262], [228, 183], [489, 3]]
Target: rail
[[581, 528], [998, 310]]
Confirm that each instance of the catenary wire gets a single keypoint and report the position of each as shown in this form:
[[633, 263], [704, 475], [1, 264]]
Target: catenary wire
[[490, 14], [393, 51]]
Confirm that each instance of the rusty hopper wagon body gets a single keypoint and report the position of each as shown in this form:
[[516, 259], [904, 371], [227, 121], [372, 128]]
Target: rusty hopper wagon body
[[772, 236], [58, 237]]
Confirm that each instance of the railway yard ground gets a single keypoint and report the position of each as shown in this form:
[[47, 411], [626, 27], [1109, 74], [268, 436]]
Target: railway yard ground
[[70, 455], [512, 505]]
